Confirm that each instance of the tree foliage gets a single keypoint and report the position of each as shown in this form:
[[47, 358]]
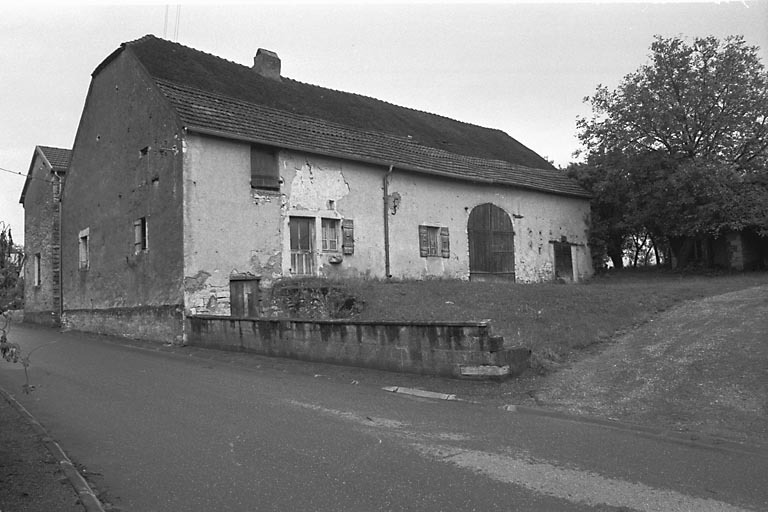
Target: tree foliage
[[11, 289], [680, 147]]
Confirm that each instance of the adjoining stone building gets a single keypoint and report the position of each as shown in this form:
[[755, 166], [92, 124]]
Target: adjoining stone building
[[196, 182], [42, 231]]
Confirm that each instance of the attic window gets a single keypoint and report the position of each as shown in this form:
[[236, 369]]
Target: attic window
[[265, 174]]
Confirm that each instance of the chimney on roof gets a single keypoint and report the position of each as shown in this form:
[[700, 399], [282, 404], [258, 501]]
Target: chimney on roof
[[267, 64]]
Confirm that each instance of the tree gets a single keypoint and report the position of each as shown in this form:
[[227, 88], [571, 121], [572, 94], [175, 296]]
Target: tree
[[10, 268], [684, 140]]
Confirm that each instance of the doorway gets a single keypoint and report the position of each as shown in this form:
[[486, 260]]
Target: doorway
[[491, 243]]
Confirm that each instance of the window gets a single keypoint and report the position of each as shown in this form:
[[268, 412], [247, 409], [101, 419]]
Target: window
[[37, 279], [265, 174], [302, 245], [84, 249], [330, 235], [140, 241], [434, 242]]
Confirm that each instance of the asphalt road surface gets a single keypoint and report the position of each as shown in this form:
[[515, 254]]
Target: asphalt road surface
[[180, 430]]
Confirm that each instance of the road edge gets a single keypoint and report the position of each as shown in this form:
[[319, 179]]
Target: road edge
[[87, 497]]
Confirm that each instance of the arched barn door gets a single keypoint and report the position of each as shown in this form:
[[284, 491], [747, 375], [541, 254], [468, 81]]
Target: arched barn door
[[491, 243]]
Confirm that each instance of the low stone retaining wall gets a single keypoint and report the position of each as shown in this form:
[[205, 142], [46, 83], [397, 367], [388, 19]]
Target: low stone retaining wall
[[152, 323], [47, 318], [437, 348]]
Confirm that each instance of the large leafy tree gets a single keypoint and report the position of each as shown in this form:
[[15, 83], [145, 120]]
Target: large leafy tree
[[680, 147]]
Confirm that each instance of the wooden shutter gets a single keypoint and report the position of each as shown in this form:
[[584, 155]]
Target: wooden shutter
[[445, 243], [423, 241], [264, 170], [348, 236]]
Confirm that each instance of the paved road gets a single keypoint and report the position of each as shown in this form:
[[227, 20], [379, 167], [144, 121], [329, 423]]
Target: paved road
[[181, 430]]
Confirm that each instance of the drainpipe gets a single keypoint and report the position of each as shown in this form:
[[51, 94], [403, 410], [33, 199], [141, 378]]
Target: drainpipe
[[386, 222], [61, 250]]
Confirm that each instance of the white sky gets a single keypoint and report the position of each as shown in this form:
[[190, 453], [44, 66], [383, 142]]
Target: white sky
[[523, 68]]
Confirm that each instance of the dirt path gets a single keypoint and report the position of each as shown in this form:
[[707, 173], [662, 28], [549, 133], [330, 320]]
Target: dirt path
[[702, 366]]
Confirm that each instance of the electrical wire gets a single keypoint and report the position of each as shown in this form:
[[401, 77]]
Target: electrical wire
[[26, 176]]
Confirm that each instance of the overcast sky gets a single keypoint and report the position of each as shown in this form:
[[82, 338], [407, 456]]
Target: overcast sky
[[523, 68]]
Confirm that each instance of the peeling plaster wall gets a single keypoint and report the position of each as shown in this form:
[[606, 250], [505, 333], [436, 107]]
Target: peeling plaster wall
[[325, 187], [231, 229], [538, 220], [228, 227]]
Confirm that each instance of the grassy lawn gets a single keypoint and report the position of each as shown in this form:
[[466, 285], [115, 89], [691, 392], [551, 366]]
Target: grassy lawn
[[557, 322]]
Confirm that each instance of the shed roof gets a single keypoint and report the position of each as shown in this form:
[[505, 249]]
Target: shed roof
[[218, 96]]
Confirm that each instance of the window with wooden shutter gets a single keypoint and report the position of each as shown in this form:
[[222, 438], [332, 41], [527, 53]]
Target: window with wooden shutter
[[433, 241], [348, 236], [140, 240], [265, 174], [330, 235]]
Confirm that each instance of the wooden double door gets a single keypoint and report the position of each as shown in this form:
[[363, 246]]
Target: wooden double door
[[491, 243]]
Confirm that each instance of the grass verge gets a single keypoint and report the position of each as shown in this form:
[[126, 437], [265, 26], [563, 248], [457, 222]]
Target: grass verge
[[557, 322]]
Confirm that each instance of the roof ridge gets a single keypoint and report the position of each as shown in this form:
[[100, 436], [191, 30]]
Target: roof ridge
[[320, 87], [348, 128]]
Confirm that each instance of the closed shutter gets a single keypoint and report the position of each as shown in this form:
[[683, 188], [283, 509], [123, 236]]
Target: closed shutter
[[423, 241], [348, 236], [445, 243], [265, 174]]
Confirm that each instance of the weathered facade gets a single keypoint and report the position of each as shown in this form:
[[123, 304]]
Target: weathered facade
[[42, 221], [196, 182]]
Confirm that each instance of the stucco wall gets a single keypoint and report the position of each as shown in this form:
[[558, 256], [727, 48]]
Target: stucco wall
[[40, 237], [228, 228], [538, 220], [126, 164], [231, 229]]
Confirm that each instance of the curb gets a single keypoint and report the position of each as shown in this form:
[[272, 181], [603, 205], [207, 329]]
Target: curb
[[419, 393], [87, 497], [691, 438]]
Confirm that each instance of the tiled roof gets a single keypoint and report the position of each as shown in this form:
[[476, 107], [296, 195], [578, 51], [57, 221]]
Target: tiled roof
[[57, 157], [211, 93], [217, 114]]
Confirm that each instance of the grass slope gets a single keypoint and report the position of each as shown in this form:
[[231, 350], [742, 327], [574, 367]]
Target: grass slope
[[557, 322]]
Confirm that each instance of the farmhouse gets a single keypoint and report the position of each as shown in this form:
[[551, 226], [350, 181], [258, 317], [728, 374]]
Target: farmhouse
[[42, 244], [196, 182]]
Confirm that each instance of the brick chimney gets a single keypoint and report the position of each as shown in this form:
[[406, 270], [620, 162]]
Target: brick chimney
[[267, 64]]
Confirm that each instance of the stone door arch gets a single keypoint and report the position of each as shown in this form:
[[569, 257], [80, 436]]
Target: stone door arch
[[491, 243]]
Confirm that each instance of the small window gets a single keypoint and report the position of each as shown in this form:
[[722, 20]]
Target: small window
[[140, 241], [434, 241], [330, 235], [265, 174], [84, 249], [37, 278]]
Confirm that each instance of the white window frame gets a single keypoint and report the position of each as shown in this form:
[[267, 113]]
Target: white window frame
[[37, 279], [140, 235], [84, 249]]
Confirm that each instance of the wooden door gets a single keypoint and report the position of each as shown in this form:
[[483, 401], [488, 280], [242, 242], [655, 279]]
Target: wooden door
[[491, 243]]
